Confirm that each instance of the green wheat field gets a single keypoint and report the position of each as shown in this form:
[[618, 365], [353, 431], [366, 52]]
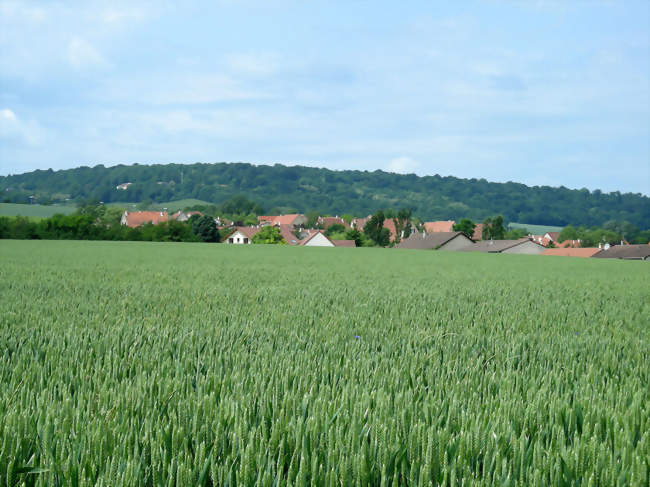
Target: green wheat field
[[147, 364]]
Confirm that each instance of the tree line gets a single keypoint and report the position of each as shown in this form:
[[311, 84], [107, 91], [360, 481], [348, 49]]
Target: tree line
[[287, 189]]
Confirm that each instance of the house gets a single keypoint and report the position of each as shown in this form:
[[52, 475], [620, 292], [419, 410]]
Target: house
[[134, 219], [541, 239], [319, 239], [552, 236], [573, 244], [327, 221], [123, 186], [439, 226], [521, 246], [572, 252], [359, 223], [286, 231], [241, 235], [389, 223], [295, 219], [436, 240], [627, 252], [183, 216]]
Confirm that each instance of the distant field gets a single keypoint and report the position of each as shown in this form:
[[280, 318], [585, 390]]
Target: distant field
[[536, 229], [172, 206], [40, 211], [125, 363]]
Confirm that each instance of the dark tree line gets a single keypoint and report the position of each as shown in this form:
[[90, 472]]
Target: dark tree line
[[286, 189]]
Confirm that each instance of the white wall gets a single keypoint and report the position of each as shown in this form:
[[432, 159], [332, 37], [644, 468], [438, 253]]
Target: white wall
[[238, 238], [319, 240]]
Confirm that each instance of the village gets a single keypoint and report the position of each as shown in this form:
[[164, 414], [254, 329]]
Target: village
[[432, 235]]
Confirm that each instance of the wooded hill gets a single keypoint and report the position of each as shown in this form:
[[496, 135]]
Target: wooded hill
[[299, 188]]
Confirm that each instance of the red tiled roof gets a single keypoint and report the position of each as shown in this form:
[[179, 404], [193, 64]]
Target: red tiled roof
[[247, 231], [266, 218], [478, 232], [439, 226], [390, 224], [572, 252], [287, 234], [136, 218], [285, 219], [568, 243], [359, 223]]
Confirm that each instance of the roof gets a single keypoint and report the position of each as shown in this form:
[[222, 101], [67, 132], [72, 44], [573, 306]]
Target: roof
[[439, 226], [247, 231], [426, 241], [285, 219], [266, 218], [496, 245], [553, 235], [641, 251], [359, 223], [572, 252], [478, 232], [188, 214], [568, 243], [136, 218], [389, 223], [286, 230], [344, 243]]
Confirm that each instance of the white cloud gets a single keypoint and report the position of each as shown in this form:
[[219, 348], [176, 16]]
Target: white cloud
[[402, 165], [21, 11], [252, 64], [12, 128], [83, 55]]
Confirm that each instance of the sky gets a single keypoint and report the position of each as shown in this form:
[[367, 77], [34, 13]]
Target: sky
[[539, 92]]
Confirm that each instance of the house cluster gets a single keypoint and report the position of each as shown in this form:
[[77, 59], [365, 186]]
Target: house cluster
[[435, 235], [134, 219]]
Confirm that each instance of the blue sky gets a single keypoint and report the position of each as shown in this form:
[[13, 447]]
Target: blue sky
[[539, 92]]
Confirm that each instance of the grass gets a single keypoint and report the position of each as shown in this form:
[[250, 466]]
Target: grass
[[35, 211], [536, 229], [127, 363]]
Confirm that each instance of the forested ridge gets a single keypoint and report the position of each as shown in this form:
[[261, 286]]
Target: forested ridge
[[299, 188]]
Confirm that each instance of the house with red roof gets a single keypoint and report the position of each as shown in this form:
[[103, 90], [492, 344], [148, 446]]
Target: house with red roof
[[327, 221], [242, 235], [319, 239], [572, 252], [134, 219]]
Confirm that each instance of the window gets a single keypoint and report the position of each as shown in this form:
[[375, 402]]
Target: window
[[245, 240], [230, 240]]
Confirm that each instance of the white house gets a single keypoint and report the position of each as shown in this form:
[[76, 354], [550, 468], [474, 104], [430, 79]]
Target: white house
[[242, 235]]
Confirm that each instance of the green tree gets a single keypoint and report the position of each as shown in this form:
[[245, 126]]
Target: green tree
[[205, 228], [402, 223], [568, 233], [466, 226], [375, 230], [335, 228], [358, 237], [516, 233], [493, 228], [268, 235]]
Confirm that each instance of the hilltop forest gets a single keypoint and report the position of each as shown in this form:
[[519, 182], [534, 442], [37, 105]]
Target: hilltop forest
[[299, 188]]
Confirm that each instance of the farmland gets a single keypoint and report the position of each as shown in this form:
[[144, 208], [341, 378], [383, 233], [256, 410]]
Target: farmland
[[34, 211], [128, 363]]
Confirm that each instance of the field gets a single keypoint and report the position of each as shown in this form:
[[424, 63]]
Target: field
[[127, 364], [536, 229], [37, 211]]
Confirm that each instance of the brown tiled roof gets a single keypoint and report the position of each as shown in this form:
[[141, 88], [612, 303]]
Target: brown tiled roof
[[136, 218], [423, 241], [266, 218], [439, 226], [390, 224], [572, 252], [568, 243], [359, 223], [344, 243], [247, 231], [285, 219], [286, 230], [640, 251]]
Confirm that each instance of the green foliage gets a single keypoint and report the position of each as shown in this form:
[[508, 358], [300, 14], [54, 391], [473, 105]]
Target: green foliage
[[334, 192], [335, 228], [568, 233], [240, 205], [359, 238], [41, 211], [128, 364], [466, 226], [375, 231], [516, 233], [204, 228], [268, 235], [403, 224], [493, 228]]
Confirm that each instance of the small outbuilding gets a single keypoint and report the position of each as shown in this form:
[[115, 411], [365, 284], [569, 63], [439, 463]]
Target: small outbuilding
[[436, 240]]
